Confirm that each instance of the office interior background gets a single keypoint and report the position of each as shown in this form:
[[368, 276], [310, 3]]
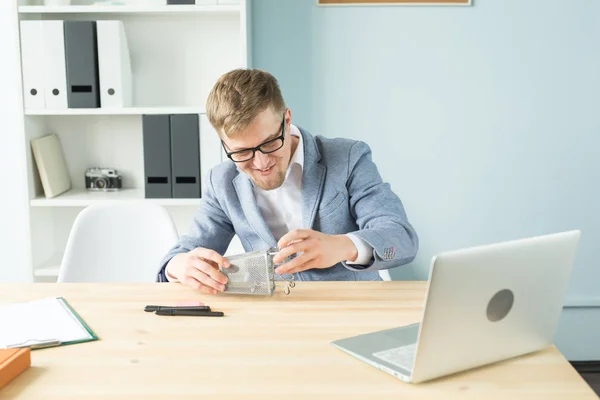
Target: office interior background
[[484, 119]]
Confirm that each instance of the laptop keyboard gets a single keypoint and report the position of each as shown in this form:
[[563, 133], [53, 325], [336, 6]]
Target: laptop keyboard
[[402, 357]]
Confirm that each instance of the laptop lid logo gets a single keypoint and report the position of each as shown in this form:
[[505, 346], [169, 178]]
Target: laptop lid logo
[[500, 305]]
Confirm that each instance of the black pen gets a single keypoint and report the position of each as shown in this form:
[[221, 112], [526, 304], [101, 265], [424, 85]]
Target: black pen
[[190, 313], [196, 308]]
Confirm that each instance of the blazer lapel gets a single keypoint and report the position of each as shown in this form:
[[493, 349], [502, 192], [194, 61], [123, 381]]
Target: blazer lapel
[[245, 193], [313, 177]]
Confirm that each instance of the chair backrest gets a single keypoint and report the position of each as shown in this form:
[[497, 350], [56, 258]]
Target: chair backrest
[[121, 241]]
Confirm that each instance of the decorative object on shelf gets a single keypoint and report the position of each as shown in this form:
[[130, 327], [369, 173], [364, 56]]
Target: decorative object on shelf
[[103, 180], [51, 165]]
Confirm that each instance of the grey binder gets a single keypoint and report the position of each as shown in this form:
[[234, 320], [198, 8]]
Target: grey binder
[[185, 156], [81, 53], [157, 156]]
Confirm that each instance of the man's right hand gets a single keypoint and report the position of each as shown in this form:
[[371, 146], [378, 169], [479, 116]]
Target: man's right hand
[[199, 269]]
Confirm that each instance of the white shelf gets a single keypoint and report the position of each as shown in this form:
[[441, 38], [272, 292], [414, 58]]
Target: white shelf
[[50, 268], [116, 9], [117, 111], [46, 272], [83, 198]]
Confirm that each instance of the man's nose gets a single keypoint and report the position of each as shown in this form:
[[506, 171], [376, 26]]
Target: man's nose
[[261, 161]]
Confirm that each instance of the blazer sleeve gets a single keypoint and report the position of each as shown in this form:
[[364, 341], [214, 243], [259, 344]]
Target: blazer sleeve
[[211, 228], [379, 214]]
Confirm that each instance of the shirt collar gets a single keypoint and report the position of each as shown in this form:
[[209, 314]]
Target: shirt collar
[[298, 157]]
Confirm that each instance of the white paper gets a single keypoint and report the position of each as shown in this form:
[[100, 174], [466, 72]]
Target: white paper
[[38, 321]]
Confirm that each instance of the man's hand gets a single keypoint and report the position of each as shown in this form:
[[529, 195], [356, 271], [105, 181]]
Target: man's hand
[[314, 250], [199, 269]]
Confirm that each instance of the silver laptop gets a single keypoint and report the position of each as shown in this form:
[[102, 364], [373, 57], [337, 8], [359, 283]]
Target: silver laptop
[[483, 304]]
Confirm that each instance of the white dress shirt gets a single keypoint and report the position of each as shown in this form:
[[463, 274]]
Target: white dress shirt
[[281, 208]]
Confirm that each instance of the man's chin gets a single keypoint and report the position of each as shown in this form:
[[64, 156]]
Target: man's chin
[[267, 184]]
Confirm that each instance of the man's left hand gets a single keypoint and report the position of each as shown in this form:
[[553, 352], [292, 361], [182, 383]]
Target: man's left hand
[[314, 250]]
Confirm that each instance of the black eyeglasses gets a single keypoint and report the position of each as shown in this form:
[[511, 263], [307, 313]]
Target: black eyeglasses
[[267, 147]]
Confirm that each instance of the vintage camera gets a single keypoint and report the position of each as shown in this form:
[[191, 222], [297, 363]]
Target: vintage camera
[[102, 179]]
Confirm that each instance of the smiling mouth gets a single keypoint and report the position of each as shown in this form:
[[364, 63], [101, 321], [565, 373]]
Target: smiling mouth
[[266, 169]]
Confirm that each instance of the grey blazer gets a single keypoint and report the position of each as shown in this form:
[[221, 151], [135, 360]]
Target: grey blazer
[[342, 192]]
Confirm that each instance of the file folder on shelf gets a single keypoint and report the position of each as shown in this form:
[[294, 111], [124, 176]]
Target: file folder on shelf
[[32, 58], [54, 66], [81, 50], [157, 156], [185, 156], [114, 65]]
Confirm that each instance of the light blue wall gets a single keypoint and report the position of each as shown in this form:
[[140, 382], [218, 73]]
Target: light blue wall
[[484, 119]]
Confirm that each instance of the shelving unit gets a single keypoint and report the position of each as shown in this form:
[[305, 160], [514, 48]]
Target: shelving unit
[[177, 53], [49, 272], [157, 9], [49, 269], [118, 111], [83, 198]]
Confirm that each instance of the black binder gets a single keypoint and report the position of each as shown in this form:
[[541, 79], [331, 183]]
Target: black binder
[[157, 156], [185, 156], [81, 56]]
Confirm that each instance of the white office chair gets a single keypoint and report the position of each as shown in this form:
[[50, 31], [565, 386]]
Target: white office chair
[[122, 241]]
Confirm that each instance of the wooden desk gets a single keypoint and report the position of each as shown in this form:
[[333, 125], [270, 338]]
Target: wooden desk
[[277, 347]]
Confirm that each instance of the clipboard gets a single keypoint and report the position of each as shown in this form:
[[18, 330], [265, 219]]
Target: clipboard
[[42, 323]]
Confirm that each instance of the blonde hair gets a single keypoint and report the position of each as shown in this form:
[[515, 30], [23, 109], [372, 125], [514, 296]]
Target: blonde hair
[[239, 96]]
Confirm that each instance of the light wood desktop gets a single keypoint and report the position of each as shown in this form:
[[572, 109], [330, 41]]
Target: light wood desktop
[[276, 347]]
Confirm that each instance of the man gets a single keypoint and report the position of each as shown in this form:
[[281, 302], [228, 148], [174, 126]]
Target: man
[[320, 199]]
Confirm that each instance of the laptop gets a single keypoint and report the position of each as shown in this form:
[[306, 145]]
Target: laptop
[[483, 304]]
